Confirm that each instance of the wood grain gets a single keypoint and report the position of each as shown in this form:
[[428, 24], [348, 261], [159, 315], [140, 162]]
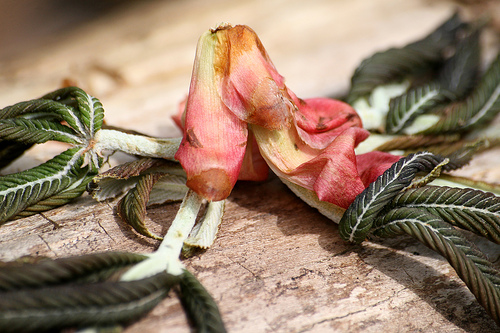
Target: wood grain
[[277, 265]]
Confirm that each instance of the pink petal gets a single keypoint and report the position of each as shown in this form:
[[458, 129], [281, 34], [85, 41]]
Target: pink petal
[[333, 174], [252, 88], [214, 142], [321, 120], [373, 164]]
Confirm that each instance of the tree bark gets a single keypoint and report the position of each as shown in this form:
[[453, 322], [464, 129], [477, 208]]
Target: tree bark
[[277, 265]]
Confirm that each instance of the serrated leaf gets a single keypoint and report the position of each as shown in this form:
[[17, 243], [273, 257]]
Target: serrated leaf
[[469, 209], [36, 108], [11, 150], [397, 63], [169, 188], [31, 131], [359, 216], [480, 276], [459, 73], [405, 108], [21, 190], [461, 152], [416, 142], [123, 177], [132, 207], [92, 113], [80, 305], [47, 272], [199, 305], [76, 189], [110, 188], [479, 108]]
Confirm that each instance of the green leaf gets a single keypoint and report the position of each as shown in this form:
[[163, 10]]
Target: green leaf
[[461, 152], [480, 276], [397, 63], [132, 207], [479, 108], [76, 189], [36, 108], [21, 190], [11, 150], [416, 142], [359, 216], [48, 272], [120, 179], [459, 74], [405, 108], [169, 188], [469, 209], [80, 305], [36, 131], [92, 113], [199, 305]]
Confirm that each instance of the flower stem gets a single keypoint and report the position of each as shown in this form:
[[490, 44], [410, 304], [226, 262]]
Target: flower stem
[[167, 256], [133, 144]]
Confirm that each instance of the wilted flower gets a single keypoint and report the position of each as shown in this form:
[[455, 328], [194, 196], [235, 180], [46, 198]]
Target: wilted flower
[[239, 113]]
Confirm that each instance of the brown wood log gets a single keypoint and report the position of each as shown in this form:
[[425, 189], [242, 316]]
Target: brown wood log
[[277, 264]]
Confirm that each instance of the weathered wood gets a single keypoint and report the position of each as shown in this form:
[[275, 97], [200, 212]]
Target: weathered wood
[[277, 265]]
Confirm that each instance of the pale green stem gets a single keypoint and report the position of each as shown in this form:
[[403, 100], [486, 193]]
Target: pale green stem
[[204, 233], [166, 258], [113, 140]]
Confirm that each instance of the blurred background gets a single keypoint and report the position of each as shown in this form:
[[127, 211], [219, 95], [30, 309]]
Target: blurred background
[[137, 57]]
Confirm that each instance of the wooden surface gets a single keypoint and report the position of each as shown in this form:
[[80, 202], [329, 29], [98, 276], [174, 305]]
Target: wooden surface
[[277, 265]]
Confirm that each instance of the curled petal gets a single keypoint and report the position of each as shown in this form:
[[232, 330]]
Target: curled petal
[[214, 141], [254, 166], [252, 87], [373, 164], [321, 120]]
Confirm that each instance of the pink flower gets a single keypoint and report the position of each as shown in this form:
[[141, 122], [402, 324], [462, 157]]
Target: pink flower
[[240, 116]]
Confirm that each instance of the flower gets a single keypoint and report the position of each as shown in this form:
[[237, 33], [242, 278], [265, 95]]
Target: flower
[[240, 118]]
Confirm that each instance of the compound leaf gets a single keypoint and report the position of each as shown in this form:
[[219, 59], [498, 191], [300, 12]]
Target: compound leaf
[[20, 190], [479, 108], [200, 305], [359, 216], [469, 209], [471, 265]]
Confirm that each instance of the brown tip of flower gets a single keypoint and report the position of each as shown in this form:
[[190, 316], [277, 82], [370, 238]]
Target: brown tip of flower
[[221, 26], [213, 184]]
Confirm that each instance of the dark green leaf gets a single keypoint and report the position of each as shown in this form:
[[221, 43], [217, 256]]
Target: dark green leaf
[[405, 108], [460, 73], [61, 198], [21, 190], [359, 216], [120, 179], [416, 142], [469, 209], [397, 63], [479, 108], [36, 131], [200, 306], [461, 152], [92, 113], [80, 305], [11, 150], [14, 276], [132, 207], [480, 276]]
